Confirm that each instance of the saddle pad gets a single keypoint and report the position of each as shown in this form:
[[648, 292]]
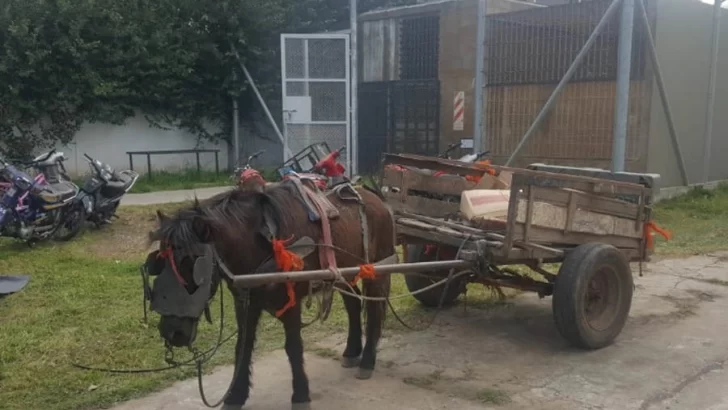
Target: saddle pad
[[321, 201]]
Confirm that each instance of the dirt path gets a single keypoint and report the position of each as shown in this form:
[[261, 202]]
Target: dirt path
[[671, 356]]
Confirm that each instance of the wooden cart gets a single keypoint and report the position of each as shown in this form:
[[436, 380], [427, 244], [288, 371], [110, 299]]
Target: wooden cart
[[591, 221]]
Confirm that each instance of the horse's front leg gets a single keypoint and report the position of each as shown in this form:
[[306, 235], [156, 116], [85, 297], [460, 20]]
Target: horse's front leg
[[294, 349], [352, 352], [247, 325]]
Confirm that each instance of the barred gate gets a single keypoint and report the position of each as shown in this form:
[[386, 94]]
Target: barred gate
[[315, 82], [397, 116]]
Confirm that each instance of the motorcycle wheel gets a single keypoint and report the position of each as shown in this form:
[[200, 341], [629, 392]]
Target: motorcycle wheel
[[72, 222]]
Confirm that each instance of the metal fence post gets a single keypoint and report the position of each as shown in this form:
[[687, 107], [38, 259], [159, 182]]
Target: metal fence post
[[663, 93], [354, 83], [624, 70], [565, 79], [479, 91], [707, 140]]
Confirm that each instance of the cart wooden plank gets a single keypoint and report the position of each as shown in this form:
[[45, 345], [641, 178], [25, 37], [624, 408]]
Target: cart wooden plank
[[546, 215]]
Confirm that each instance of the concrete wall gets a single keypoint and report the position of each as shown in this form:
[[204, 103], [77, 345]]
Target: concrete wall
[[683, 37], [110, 143]]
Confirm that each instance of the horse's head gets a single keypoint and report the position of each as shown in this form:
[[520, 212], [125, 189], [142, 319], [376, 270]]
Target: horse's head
[[184, 272]]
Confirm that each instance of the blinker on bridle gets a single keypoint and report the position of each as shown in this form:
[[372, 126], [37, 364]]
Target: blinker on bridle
[[169, 295]]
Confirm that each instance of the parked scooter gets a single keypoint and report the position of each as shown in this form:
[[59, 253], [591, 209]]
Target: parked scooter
[[102, 192]]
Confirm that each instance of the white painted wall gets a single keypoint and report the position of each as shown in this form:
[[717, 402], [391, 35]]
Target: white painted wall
[[109, 143]]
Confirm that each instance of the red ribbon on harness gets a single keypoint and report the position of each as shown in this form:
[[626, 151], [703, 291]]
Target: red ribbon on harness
[[287, 261], [169, 255]]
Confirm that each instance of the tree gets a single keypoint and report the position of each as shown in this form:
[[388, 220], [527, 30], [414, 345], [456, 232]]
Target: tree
[[67, 62]]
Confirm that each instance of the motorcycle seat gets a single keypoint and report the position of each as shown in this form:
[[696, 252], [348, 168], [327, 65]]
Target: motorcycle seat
[[117, 185], [57, 192]]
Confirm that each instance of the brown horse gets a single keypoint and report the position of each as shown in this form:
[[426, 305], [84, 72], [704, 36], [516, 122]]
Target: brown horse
[[234, 224]]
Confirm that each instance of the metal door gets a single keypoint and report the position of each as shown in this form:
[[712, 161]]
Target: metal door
[[316, 85]]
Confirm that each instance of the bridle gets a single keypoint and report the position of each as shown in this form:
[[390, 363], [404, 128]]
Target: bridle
[[207, 264], [170, 295]]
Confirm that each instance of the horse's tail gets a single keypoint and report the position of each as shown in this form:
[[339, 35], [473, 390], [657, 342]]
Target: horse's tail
[[386, 247]]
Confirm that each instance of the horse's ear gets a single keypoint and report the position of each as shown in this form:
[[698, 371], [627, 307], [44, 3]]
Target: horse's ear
[[197, 203], [161, 216]]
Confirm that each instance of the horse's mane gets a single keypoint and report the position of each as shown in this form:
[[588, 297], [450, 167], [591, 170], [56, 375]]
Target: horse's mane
[[227, 214]]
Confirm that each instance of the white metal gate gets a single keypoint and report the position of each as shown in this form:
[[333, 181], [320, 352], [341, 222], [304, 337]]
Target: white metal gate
[[316, 86]]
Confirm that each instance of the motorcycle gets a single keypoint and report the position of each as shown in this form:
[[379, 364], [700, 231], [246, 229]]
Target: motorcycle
[[102, 192], [247, 177], [32, 209], [315, 163], [326, 171]]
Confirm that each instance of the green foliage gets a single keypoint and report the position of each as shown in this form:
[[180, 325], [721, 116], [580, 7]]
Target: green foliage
[[66, 62]]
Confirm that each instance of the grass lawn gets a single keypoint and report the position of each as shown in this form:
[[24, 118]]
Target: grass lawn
[[189, 179], [698, 222], [83, 304]]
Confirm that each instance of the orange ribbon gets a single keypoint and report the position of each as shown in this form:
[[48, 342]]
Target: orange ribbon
[[473, 178], [287, 261], [365, 272], [485, 165], [650, 229], [291, 291]]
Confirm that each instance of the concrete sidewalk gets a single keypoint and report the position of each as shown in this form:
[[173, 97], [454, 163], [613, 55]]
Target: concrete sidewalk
[[167, 197], [671, 356]]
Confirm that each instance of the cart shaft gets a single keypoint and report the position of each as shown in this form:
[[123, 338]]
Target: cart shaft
[[258, 279]]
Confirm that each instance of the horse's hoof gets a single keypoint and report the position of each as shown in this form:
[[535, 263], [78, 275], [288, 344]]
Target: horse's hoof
[[364, 374], [349, 362], [301, 406], [232, 407]]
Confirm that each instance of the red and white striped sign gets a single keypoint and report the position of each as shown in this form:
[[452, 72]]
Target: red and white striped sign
[[458, 111]]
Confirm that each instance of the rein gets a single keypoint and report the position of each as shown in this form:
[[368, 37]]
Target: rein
[[169, 354], [169, 255], [199, 358]]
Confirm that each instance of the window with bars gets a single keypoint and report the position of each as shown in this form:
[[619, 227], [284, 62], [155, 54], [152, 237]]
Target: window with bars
[[419, 46]]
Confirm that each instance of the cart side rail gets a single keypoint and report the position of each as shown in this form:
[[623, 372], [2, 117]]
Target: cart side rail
[[569, 210]]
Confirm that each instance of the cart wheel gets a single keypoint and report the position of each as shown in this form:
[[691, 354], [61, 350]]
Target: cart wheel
[[433, 297], [592, 295]]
